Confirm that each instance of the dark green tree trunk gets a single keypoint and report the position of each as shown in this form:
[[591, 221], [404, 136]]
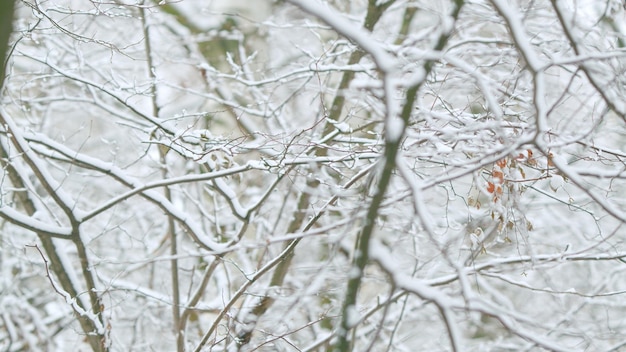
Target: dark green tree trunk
[[6, 27]]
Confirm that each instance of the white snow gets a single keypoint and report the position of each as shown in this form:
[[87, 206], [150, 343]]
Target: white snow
[[394, 129], [352, 316], [384, 61]]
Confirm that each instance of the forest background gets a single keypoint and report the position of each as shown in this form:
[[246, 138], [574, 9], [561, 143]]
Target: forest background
[[306, 175]]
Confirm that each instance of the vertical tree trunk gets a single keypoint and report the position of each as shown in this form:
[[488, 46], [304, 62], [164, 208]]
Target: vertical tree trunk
[[6, 27]]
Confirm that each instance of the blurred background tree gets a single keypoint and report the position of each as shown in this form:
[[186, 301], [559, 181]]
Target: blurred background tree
[[313, 175]]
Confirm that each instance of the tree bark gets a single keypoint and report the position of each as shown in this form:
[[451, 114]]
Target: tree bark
[[6, 27]]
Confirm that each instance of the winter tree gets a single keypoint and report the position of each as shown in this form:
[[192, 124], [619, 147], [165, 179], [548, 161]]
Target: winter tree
[[310, 175]]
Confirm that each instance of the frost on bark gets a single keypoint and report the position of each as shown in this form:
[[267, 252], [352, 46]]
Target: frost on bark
[[312, 175]]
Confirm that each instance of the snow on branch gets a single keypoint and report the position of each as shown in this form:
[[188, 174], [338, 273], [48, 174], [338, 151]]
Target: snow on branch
[[384, 61]]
